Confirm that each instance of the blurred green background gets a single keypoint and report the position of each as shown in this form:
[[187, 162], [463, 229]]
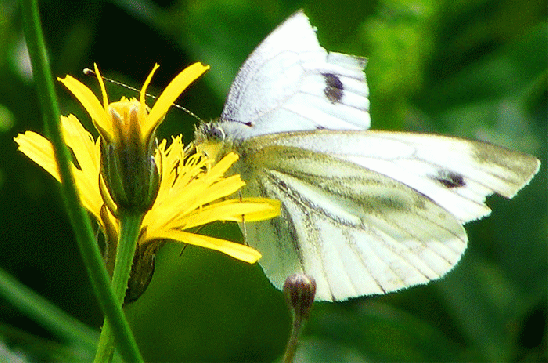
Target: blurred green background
[[476, 69]]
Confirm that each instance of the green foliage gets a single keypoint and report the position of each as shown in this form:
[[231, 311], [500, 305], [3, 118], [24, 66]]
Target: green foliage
[[474, 68]]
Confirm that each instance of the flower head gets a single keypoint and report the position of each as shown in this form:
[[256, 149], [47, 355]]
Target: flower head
[[128, 140], [191, 190], [129, 118]]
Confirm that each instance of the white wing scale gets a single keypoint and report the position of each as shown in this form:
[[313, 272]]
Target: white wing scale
[[291, 83]]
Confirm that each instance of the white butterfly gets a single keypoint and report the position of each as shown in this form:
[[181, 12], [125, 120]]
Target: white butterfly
[[363, 212]]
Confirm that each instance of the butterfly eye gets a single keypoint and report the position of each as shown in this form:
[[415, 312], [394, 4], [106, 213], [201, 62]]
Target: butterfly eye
[[212, 132], [217, 134]]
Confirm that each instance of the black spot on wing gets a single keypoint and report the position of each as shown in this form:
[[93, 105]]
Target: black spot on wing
[[333, 87], [450, 179]]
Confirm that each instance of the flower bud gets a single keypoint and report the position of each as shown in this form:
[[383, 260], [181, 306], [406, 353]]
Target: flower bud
[[142, 270], [128, 164], [299, 290]]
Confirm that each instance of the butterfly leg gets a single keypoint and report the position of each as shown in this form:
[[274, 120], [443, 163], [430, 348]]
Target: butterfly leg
[[242, 224]]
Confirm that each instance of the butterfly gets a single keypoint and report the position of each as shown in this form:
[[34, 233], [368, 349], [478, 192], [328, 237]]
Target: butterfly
[[363, 212]]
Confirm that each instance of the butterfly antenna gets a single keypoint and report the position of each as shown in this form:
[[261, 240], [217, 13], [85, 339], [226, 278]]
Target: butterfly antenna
[[244, 230], [91, 72]]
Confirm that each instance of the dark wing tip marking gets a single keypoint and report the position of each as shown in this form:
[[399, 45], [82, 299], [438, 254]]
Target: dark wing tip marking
[[450, 179], [333, 87]]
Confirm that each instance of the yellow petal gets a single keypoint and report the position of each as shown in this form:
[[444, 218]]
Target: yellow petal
[[101, 85], [142, 105], [256, 209], [89, 194], [189, 192], [197, 194], [232, 210], [86, 152], [40, 150], [100, 118], [236, 250], [81, 142], [170, 94], [86, 176], [221, 167]]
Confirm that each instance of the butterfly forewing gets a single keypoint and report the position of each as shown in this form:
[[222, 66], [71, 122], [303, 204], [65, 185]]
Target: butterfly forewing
[[456, 173], [291, 83]]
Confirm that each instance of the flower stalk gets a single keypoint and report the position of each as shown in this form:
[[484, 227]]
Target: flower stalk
[[130, 224], [79, 219]]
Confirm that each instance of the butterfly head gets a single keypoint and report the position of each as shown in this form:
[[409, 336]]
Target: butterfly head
[[210, 140]]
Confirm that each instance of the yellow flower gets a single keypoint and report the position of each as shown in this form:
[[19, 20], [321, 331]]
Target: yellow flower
[[191, 189], [128, 141]]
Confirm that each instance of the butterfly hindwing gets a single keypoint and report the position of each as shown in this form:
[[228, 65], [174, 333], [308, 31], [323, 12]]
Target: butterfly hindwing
[[356, 231]]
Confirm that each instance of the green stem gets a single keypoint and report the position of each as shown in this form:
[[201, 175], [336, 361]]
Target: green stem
[[78, 216], [293, 341], [130, 225]]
